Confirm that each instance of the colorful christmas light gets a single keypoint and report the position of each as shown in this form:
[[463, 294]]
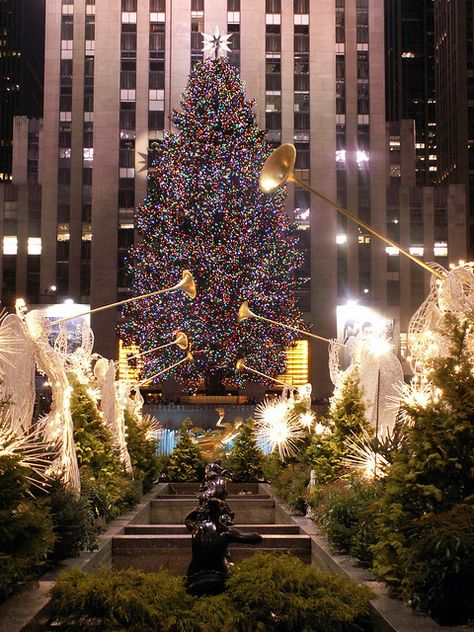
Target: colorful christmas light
[[204, 212]]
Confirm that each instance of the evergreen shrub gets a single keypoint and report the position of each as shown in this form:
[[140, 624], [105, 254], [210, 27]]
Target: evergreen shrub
[[424, 548], [73, 522], [186, 462], [142, 450], [264, 592], [347, 511], [245, 459], [26, 529]]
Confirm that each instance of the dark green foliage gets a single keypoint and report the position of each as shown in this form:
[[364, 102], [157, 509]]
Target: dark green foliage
[[108, 489], [429, 481], [124, 600], [439, 566], [289, 481], [26, 530], [245, 458], [265, 592], [347, 511], [279, 592], [186, 462], [346, 419], [347, 412], [142, 450], [73, 522], [323, 456]]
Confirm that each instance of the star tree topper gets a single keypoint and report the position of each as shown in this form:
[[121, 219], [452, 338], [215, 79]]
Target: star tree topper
[[216, 41]]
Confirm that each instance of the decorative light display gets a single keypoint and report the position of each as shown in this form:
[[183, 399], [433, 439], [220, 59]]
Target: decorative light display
[[204, 211], [364, 458], [282, 422], [454, 292]]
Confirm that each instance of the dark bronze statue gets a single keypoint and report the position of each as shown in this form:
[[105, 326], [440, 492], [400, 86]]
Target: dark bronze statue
[[211, 527]]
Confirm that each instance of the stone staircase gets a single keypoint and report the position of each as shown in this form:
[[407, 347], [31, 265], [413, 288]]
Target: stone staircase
[[165, 542]]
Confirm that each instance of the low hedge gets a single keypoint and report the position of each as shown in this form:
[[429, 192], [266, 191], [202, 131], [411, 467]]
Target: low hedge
[[264, 592]]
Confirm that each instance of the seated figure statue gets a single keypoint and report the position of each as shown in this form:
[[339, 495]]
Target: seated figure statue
[[211, 526]]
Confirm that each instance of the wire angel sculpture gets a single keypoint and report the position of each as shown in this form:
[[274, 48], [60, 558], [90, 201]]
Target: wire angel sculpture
[[17, 372], [57, 423], [112, 405]]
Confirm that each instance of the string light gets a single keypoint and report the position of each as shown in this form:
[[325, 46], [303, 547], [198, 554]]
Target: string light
[[204, 212]]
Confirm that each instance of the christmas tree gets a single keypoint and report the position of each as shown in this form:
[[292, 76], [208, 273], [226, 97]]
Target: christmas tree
[[204, 212]]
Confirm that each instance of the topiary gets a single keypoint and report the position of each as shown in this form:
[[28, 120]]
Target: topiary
[[186, 462], [245, 459]]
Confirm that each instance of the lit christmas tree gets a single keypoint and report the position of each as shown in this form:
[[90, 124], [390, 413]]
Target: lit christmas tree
[[204, 212]]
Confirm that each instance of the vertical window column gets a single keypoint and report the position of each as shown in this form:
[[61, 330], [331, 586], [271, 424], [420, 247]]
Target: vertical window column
[[273, 71], [156, 78], [197, 27], [64, 157], [233, 26]]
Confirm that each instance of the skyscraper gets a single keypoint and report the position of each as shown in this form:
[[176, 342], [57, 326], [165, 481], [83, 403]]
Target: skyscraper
[[115, 70], [454, 44], [21, 62], [410, 73]]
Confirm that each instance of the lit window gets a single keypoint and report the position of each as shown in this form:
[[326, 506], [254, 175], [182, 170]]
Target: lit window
[[341, 239], [363, 239], [341, 155], [417, 251], [408, 55], [65, 152], [34, 245], [362, 157], [10, 245], [441, 249], [392, 251], [88, 154]]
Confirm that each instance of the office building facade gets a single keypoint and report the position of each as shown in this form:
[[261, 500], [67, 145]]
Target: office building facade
[[115, 70]]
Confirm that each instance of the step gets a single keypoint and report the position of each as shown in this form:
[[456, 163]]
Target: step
[[174, 509], [153, 552], [230, 497], [232, 488], [176, 529]]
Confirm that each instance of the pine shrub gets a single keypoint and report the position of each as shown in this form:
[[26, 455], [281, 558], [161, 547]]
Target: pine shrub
[[245, 459], [186, 462], [426, 510], [103, 481], [264, 592], [142, 450], [26, 530]]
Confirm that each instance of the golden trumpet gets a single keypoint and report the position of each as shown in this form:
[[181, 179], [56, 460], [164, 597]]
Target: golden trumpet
[[241, 366], [186, 284], [279, 168], [188, 358], [245, 312], [181, 341]]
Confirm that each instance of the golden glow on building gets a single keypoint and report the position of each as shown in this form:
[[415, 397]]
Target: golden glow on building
[[129, 370], [297, 364]]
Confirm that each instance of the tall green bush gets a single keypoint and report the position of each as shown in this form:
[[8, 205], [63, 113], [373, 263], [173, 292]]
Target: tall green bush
[[142, 449], [245, 459], [430, 483], [26, 530], [186, 462], [103, 480]]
